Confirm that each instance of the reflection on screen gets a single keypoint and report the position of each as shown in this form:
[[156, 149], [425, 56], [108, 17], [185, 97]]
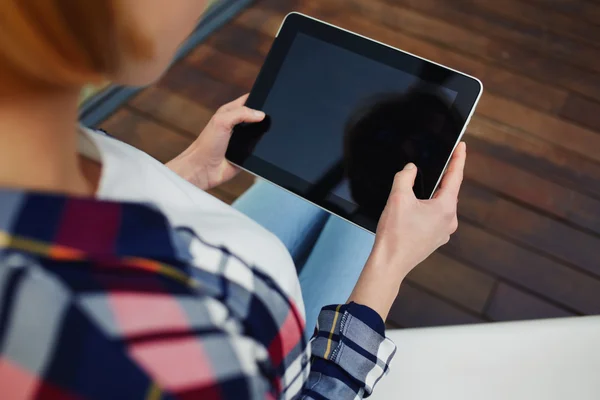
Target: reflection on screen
[[345, 124]]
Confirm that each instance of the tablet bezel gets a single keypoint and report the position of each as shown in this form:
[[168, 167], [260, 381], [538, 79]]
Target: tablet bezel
[[468, 89]]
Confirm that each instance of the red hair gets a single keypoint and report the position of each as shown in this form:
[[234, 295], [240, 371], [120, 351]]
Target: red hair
[[65, 42]]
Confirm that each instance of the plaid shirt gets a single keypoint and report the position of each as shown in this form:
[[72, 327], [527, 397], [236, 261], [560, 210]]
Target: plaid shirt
[[105, 300]]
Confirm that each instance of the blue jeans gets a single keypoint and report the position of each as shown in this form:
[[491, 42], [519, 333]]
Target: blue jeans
[[329, 252]]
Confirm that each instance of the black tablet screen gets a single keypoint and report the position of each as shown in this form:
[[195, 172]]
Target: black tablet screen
[[340, 125]]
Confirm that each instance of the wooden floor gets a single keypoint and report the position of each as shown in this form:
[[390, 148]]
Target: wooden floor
[[528, 245]]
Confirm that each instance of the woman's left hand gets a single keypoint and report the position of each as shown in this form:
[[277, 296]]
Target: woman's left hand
[[204, 163]]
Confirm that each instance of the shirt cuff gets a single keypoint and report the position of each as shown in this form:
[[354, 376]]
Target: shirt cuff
[[353, 337]]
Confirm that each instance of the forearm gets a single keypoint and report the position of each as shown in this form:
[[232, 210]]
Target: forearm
[[379, 283]]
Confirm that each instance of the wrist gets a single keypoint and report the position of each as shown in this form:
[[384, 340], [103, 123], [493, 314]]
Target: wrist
[[392, 263], [379, 282], [188, 171]]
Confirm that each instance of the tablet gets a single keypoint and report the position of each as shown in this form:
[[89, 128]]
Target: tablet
[[345, 114]]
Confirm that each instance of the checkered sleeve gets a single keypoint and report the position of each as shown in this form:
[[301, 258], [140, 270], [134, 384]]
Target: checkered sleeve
[[350, 353]]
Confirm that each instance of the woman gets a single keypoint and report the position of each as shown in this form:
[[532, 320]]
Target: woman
[[121, 278]]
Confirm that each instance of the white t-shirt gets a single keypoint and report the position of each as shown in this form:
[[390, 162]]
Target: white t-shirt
[[129, 174]]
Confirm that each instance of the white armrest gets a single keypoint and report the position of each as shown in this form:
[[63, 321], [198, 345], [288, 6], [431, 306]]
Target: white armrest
[[545, 359]]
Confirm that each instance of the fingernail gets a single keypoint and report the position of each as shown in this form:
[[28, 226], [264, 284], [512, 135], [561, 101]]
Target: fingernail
[[259, 114], [409, 166]]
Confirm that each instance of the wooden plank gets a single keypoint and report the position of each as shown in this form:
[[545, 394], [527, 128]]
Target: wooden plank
[[511, 304], [241, 76], [531, 37], [392, 325], [449, 11], [188, 81], [528, 188], [244, 43], [543, 68], [530, 153], [222, 195], [281, 6], [554, 130], [172, 109], [416, 308], [161, 143], [579, 9], [527, 227], [224, 66], [453, 280], [523, 89], [475, 204], [453, 35], [548, 278], [525, 50], [583, 111], [266, 20], [547, 235], [519, 12]]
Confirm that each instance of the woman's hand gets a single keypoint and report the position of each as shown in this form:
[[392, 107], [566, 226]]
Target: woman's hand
[[408, 232], [204, 163]]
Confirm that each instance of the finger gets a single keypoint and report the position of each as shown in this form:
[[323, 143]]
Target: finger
[[239, 102], [452, 180], [228, 120], [405, 180]]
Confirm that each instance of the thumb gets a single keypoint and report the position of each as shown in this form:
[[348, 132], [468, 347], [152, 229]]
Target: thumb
[[405, 180], [227, 120]]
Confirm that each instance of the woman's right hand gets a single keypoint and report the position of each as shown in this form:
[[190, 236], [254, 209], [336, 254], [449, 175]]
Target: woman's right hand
[[408, 232]]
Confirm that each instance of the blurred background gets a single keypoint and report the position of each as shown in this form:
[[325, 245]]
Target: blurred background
[[528, 245]]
